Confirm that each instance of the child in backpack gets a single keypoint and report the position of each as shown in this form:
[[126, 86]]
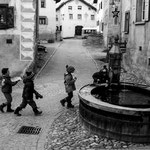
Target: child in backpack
[[27, 95], [69, 82], [7, 89]]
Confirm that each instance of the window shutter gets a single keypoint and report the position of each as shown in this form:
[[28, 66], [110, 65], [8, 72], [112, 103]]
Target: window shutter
[[3, 18], [139, 10], [46, 20], [146, 10], [10, 17], [127, 19]]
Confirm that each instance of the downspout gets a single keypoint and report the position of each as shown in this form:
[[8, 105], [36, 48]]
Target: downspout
[[36, 33], [120, 20]]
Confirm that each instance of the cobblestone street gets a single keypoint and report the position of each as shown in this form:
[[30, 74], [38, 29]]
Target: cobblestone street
[[61, 127], [67, 133]]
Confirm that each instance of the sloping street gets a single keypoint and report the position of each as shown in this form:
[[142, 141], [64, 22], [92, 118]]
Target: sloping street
[[50, 84], [60, 127]]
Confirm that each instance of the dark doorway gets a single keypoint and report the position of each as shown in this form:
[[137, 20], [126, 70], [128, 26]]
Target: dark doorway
[[78, 30]]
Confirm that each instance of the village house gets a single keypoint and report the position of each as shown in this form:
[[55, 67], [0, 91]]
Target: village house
[[17, 34], [73, 15], [47, 20], [106, 22], [130, 21]]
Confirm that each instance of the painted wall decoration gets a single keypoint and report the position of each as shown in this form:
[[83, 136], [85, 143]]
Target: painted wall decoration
[[27, 30]]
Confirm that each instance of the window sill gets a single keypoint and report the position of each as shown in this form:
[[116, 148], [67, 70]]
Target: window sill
[[140, 23], [126, 32]]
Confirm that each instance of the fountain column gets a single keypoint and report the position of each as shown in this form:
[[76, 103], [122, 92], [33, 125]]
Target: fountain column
[[114, 62]]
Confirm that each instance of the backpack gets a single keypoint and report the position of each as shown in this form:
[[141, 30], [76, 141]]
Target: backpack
[[65, 74]]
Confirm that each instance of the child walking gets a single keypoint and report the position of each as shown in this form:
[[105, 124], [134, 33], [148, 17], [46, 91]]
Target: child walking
[[7, 89], [69, 82], [27, 95]]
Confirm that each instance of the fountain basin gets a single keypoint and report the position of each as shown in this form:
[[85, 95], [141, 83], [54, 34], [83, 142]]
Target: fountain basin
[[111, 120]]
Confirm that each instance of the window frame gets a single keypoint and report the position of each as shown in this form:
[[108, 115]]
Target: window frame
[[142, 11], [92, 17], [69, 7], [79, 7], [127, 22], [56, 18], [45, 19], [79, 16], [71, 16], [43, 4], [8, 15]]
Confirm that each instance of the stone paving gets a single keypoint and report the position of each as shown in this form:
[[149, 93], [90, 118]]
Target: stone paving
[[67, 133]]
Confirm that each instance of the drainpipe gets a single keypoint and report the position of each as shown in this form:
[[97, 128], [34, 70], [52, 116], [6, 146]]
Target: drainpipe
[[36, 31], [120, 20], [37, 20]]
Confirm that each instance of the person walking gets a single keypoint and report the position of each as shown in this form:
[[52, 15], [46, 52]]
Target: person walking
[[27, 95], [69, 81], [7, 89]]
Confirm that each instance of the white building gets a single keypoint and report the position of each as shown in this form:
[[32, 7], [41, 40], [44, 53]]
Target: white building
[[17, 34], [73, 15], [47, 20], [100, 15]]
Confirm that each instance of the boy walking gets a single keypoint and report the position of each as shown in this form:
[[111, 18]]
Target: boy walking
[[69, 82], [27, 95], [7, 89]]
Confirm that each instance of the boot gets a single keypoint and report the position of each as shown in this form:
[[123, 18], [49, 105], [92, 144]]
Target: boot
[[63, 102], [1, 107], [37, 112], [69, 105], [16, 112], [9, 108]]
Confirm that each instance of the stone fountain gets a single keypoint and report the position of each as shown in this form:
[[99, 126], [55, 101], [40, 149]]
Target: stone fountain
[[120, 110]]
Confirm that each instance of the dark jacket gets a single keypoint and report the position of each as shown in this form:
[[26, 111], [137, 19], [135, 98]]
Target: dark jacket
[[69, 83], [28, 89], [7, 84]]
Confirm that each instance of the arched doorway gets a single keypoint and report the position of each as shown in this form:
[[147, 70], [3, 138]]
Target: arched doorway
[[78, 30]]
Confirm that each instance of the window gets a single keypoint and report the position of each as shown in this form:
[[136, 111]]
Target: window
[[79, 16], [43, 20], [149, 61], [60, 28], [70, 16], [142, 10], [127, 21], [56, 18], [92, 17], [6, 16], [97, 23], [43, 5], [79, 7], [102, 26], [101, 5], [70, 7]]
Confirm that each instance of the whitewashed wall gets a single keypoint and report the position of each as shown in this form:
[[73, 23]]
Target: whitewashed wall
[[48, 30], [10, 53], [68, 26]]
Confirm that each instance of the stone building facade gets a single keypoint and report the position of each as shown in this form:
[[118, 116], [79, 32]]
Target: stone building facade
[[133, 26]]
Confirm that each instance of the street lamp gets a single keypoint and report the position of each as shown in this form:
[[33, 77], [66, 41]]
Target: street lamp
[[114, 62]]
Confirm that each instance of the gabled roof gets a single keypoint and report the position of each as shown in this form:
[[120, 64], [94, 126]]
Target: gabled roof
[[95, 1], [62, 4], [57, 1]]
